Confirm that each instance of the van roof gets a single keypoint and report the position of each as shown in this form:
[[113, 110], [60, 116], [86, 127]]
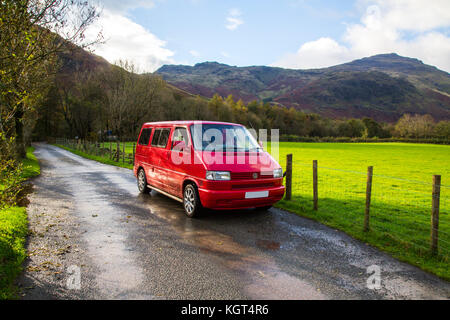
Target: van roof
[[188, 122]]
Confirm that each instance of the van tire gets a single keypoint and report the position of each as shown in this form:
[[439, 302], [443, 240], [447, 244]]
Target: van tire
[[191, 201], [142, 182]]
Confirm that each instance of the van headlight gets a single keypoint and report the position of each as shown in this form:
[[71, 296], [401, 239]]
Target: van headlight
[[278, 173], [218, 175]]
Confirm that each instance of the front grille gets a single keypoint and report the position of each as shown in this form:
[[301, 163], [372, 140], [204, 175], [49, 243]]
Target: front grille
[[249, 175]]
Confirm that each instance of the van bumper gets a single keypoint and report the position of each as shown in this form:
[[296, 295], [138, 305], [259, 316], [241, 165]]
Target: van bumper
[[232, 199]]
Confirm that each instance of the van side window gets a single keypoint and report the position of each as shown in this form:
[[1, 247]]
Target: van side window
[[156, 137], [144, 139], [164, 138], [180, 134]]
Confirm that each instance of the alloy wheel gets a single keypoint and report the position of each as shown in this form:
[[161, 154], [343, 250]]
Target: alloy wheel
[[189, 200]]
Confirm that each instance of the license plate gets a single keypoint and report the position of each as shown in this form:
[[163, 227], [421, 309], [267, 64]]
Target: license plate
[[256, 194]]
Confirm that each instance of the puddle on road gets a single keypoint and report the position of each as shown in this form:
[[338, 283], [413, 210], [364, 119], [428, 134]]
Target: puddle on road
[[268, 244], [261, 277]]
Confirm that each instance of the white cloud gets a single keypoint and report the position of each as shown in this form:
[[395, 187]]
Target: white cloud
[[234, 19], [320, 53], [194, 53], [410, 28], [413, 15], [127, 40]]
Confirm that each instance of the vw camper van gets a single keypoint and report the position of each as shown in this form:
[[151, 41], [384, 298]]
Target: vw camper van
[[206, 164]]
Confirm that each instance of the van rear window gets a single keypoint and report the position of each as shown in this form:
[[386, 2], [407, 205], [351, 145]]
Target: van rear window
[[156, 137], [144, 139], [164, 138], [161, 137]]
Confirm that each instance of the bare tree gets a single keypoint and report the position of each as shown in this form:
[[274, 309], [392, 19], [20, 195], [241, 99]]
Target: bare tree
[[415, 126], [131, 97]]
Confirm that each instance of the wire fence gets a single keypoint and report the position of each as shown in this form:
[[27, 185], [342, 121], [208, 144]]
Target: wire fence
[[120, 152], [395, 211]]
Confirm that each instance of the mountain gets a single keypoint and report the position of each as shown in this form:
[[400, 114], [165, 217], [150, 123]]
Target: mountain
[[382, 87], [74, 59]]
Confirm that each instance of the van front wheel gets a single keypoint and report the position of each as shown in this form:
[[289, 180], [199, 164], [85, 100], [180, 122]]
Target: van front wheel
[[191, 201], [142, 182]]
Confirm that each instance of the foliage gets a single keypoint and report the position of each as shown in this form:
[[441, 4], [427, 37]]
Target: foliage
[[415, 126], [31, 36], [13, 232], [10, 173]]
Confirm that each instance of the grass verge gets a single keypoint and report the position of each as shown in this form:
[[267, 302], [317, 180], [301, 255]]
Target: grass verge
[[13, 232], [101, 159]]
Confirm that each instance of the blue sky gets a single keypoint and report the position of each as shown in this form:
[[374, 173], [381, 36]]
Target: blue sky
[[269, 28], [285, 33]]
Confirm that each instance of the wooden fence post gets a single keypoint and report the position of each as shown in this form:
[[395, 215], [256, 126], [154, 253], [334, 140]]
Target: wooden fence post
[[118, 151], [315, 186], [110, 150], [288, 177], [123, 153], [368, 198], [435, 214]]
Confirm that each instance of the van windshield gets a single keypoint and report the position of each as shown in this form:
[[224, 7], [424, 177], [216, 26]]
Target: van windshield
[[223, 137]]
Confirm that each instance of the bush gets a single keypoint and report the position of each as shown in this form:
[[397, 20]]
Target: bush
[[295, 138], [11, 172]]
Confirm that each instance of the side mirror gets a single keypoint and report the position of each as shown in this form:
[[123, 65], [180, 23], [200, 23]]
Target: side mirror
[[178, 146]]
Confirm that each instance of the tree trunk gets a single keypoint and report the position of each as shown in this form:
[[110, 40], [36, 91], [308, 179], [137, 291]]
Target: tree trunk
[[20, 143]]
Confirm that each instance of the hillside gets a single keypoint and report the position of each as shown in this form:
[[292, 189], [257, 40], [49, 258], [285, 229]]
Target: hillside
[[383, 86], [74, 59]]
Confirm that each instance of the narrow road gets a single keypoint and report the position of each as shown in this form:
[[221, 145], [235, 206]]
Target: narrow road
[[90, 217]]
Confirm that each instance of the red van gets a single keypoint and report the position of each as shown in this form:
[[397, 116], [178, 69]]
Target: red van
[[206, 164]]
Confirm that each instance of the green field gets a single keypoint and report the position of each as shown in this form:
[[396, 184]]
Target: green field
[[13, 231], [401, 194], [128, 146]]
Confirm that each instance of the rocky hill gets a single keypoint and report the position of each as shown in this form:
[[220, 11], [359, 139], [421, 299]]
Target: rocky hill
[[383, 86]]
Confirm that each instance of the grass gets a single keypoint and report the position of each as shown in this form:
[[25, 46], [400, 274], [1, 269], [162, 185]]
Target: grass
[[13, 232], [102, 158], [31, 166], [128, 146], [401, 195]]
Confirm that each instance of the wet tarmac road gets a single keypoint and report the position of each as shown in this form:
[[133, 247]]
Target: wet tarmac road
[[131, 246]]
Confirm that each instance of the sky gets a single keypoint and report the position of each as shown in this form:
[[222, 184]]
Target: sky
[[298, 34]]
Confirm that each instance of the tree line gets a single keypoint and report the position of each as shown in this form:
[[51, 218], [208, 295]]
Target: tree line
[[113, 103]]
